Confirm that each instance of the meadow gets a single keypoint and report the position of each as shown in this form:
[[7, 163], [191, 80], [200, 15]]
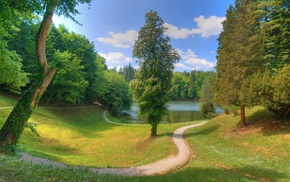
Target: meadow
[[79, 136]]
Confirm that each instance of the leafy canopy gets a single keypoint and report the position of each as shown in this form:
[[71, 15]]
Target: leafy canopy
[[156, 59]]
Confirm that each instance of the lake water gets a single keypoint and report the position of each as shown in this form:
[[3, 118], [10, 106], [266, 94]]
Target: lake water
[[178, 112]]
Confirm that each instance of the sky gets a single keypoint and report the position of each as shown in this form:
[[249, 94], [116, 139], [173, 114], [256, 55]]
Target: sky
[[193, 27]]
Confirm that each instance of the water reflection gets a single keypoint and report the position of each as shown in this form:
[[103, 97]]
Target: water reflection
[[178, 111]]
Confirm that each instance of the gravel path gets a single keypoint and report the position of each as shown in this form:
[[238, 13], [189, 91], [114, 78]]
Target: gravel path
[[163, 166], [166, 165]]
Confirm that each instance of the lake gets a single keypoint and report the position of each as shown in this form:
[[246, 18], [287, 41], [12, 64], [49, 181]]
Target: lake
[[178, 112]]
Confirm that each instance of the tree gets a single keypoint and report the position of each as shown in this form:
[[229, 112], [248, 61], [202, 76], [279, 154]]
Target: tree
[[208, 88], [269, 86], [16, 121], [240, 53], [156, 59], [26, 50], [69, 84], [79, 48], [277, 37], [117, 96], [270, 90], [11, 65], [79, 45], [180, 86], [128, 72]]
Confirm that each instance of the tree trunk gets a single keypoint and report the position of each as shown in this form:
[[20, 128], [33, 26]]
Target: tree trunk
[[243, 118], [154, 131], [16, 122]]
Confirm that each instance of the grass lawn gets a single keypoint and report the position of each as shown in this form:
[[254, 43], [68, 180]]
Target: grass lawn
[[223, 151]]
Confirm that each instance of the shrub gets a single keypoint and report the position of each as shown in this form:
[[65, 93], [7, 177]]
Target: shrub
[[208, 110]]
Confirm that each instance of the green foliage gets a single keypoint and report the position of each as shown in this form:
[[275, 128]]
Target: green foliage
[[276, 31], [231, 109], [270, 89], [253, 56], [117, 95], [208, 88], [31, 126], [208, 110], [11, 73], [180, 86], [239, 53], [77, 45], [156, 59], [69, 83], [26, 50], [128, 72], [15, 123], [188, 85], [99, 86]]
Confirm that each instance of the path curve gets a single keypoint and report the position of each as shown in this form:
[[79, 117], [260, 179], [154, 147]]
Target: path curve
[[166, 165], [162, 166]]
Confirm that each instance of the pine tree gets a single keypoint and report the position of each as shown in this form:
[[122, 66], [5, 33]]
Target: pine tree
[[240, 53]]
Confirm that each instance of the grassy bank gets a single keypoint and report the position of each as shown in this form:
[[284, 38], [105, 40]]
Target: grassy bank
[[79, 136], [223, 150]]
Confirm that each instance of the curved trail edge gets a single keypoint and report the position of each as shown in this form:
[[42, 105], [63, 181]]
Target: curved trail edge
[[163, 166]]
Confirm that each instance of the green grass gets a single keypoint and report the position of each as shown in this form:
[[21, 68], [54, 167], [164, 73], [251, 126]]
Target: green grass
[[80, 137], [223, 150]]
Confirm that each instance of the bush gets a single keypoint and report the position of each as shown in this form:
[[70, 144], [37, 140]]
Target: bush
[[208, 110], [231, 109]]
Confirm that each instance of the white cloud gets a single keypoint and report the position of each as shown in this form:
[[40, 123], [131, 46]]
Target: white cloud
[[209, 26], [182, 66], [116, 58], [205, 26], [175, 33], [121, 40], [191, 61]]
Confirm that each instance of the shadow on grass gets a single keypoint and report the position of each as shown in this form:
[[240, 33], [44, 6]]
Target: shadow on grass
[[205, 131], [269, 122], [220, 174], [87, 121]]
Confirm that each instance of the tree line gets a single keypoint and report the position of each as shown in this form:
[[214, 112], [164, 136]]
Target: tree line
[[253, 57], [41, 60], [82, 74]]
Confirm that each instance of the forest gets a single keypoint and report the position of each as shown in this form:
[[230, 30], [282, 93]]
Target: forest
[[253, 57], [252, 61], [82, 75]]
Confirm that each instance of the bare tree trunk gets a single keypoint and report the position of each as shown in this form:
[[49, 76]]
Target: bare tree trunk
[[243, 118], [16, 122], [154, 131]]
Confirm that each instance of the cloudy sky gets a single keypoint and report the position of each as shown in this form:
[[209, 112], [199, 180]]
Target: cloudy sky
[[113, 25]]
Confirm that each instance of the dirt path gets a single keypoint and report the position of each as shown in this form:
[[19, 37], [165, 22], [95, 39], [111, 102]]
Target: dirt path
[[163, 166], [166, 165]]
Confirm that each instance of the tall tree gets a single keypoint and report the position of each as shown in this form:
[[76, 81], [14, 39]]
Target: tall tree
[[156, 59], [277, 37], [15, 123], [240, 53]]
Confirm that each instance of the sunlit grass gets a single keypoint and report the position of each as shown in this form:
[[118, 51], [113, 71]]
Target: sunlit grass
[[258, 151], [222, 150], [81, 137]]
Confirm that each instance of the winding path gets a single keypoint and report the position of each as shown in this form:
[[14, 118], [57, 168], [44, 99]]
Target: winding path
[[166, 165]]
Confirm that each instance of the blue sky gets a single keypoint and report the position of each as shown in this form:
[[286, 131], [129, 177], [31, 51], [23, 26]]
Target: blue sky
[[113, 25]]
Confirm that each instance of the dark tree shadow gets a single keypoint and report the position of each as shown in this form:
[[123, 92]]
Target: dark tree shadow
[[189, 174]]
